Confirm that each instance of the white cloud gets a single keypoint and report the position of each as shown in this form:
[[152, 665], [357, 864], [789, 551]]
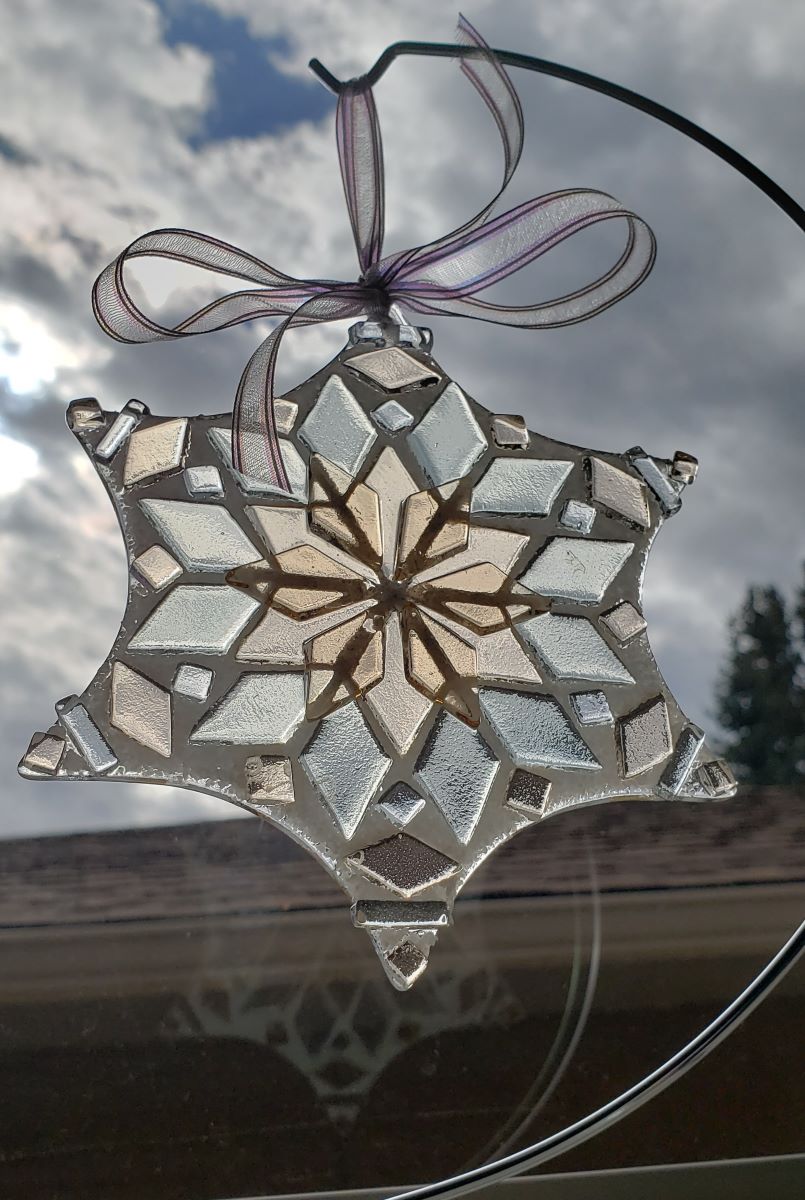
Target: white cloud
[[707, 357]]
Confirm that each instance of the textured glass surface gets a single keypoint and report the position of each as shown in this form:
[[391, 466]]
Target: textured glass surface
[[280, 639], [393, 417], [535, 731], [203, 481], [403, 864], [398, 707], [501, 658], [269, 779], [620, 492], [46, 752], [448, 440], [401, 914], [571, 649], [457, 768], [337, 427], [624, 621], [392, 483], [577, 515], [520, 485], [498, 546], [260, 708], [88, 738], [591, 708], [221, 439], [192, 681], [285, 414], [154, 449], [346, 511], [577, 569], [527, 793], [439, 663], [687, 747], [401, 804], [285, 528], [157, 567], [657, 479], [116, 434], [392, 368], [141, 709], [204, 537], [433, 524], [644, 737], [509, 430], [346, 764], [195, 617]]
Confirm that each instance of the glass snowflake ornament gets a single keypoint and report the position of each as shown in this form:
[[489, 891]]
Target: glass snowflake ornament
[[433, 641]]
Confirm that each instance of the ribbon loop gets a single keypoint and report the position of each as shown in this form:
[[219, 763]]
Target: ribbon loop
[[444, 277]]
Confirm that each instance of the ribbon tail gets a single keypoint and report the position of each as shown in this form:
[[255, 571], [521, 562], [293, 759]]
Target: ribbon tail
[[256, 449], [256, 446]]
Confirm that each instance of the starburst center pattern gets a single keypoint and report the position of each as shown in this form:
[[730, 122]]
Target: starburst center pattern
[[386, 570]]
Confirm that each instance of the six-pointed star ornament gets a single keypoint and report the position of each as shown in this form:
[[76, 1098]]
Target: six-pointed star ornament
[[432, 642]]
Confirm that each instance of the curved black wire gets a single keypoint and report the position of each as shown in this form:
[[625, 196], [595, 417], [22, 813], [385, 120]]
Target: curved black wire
[[701, 1045], [594, 83]]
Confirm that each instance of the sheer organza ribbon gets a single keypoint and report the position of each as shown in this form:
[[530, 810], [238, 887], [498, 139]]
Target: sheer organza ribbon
[[444, 277]]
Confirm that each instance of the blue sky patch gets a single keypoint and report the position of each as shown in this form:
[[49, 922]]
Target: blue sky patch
[[251, 97]]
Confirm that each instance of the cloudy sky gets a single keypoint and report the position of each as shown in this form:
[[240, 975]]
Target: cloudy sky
[[121, 118]]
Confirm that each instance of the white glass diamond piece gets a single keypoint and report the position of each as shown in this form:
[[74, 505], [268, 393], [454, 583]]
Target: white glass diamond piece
[[571, 649], [294, 466], [154, 450], [577, 515], [392, 416], [196, 618], [591, 708], [535, 731], [456, 768], [141, 709], [392, 368], [401, 804], [205, 537], [448, 440], [157, 567], [262, 709], [576, 569], [619, 492], [346, 764], [337, 427], [193, 681], [524, 486], [203, 481]]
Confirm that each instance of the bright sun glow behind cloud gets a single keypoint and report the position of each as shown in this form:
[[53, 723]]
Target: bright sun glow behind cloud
[[30, 356], [18, 462]]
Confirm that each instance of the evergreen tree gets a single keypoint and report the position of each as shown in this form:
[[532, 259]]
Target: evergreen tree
[[761, 702]]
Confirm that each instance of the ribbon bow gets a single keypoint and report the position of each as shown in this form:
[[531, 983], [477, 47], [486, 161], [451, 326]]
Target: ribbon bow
[[444, 277]]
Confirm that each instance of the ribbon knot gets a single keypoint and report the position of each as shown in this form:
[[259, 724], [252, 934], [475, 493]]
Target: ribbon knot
[[444, 277]]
